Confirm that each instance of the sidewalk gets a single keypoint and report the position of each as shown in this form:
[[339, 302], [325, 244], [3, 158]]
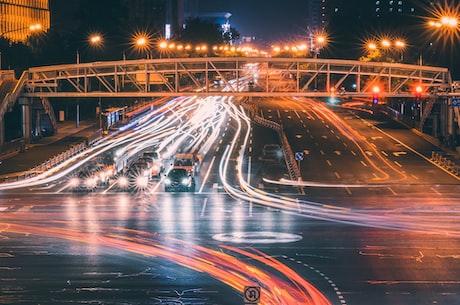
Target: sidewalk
[[47, 147]]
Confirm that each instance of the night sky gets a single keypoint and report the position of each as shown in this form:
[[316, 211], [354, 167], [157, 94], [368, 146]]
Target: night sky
[[267, 20]]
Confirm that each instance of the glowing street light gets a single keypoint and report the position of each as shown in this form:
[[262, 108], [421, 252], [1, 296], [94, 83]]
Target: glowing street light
[[141, 42], [449, 21], [95, 39], [372, 46], [386, 43], [386, 47]]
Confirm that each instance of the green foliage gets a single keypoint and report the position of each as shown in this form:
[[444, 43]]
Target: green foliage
[[200, 31]]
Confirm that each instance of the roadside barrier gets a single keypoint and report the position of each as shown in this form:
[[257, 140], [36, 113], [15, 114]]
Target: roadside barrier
[[443, 161], [294, 171], [47, 165]]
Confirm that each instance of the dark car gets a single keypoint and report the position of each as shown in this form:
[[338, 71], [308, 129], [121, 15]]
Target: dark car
[[84, 181], [179, 180], [272, 152]]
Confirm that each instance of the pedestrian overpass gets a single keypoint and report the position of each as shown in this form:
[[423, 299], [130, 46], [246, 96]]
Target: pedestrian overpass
[[235, 76]]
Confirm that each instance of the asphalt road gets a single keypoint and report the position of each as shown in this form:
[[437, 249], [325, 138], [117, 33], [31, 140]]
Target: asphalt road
[[373, 221]]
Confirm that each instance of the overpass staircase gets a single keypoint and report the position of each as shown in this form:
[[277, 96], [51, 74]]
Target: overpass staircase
[[10, 91], [46, 108], [6, 88], [430, 101]]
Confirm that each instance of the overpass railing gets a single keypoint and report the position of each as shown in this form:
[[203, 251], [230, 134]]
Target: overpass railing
[[246, 76]]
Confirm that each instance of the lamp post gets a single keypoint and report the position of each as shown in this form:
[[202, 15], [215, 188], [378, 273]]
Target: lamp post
[[93, 40], [77, 119], [447, 29]]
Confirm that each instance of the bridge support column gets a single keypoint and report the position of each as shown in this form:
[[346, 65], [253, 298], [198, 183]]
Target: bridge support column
[[2, 131], [26, 104]]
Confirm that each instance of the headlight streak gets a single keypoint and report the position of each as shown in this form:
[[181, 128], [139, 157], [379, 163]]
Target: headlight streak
[[157, 129], [385, 219], [280, 284], [206, 115]]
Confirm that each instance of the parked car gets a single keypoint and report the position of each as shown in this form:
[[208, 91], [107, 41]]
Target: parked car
[[272, 152], [179, 180]]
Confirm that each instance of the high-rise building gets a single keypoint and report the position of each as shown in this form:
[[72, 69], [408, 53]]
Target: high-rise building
[[316, 15], [21, 17], [372, 9]]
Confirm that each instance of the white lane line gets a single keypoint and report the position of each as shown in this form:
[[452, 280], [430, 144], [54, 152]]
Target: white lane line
[[436, 191], [203, 208], [391, 190], [207, 174]]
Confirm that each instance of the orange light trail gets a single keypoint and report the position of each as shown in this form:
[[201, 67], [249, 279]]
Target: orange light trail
[[322, 111], [280, 286]]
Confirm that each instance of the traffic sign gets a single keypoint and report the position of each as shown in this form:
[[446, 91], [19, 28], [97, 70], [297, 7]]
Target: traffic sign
[[251, 294], [299, 156], [455, 102]]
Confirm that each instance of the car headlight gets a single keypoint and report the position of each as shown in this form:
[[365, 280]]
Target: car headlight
[[167, 181], [185, 181], [74, 182], [91, 182], [123, 181], [142, 182]]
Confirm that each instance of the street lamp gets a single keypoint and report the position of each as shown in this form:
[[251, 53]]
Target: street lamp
[[93, 40], [317, 42], [142, 43], [386, 46]]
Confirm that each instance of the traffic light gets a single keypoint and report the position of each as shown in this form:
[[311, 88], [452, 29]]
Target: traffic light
[[375, 95], [418, 92]]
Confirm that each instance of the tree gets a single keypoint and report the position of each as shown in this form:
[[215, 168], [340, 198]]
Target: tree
[[201, 31]]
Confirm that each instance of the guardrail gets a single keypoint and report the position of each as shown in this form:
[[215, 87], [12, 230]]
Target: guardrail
[[440, 159], [47, 165], [294, 171], [53, 161]]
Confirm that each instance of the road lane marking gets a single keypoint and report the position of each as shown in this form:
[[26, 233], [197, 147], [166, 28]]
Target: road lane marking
[[436, 191], [207, 174], [391, 190], [203, 208], [348, 190]]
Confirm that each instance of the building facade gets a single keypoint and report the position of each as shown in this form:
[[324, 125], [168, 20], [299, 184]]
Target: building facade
[[20, 18]]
